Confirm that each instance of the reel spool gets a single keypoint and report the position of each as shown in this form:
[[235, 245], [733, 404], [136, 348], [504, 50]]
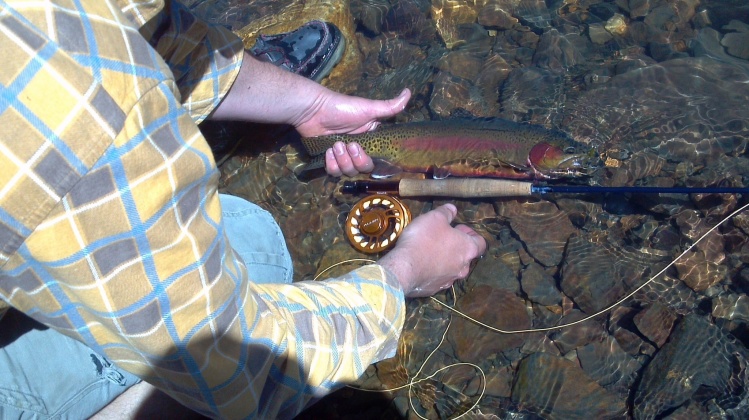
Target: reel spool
[[375, 222]]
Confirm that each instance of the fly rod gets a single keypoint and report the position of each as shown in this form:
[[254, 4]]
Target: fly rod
[[487, 187]]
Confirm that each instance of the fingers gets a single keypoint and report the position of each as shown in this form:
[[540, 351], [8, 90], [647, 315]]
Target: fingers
[[362, 162], [348, 160], [472, 252], [449, 211], [478, 239], [331, 164]]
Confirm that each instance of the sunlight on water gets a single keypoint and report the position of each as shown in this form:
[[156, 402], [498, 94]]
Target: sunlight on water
[[660, 88]]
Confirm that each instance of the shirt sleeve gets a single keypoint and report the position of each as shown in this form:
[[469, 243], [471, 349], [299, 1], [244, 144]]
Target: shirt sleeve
[[204, 58], [112, 233]]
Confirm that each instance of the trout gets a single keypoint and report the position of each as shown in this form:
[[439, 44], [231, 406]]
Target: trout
[[462, 147]]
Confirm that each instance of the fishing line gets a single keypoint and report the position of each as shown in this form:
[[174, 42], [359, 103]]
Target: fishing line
[[364, 260], [413, 381], [610, 307]]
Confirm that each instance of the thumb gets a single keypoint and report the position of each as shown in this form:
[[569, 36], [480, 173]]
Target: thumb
[[393, 106]]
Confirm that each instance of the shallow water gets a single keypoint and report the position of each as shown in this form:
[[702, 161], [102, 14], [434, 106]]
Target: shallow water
[[660, 89]]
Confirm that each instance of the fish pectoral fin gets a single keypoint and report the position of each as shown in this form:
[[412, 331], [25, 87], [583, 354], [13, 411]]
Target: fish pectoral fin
[[458, 167], [499, 163], [384, 169], [316, 162], [440, 173]]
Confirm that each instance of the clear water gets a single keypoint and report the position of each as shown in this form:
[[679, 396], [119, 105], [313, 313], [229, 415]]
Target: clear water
[[660, 89]]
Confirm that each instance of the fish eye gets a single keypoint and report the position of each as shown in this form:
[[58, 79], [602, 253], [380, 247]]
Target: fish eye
[[570, 150]]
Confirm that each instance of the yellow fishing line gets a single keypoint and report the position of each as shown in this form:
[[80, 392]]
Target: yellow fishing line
[[413, 381], [352, 260], [610, 307]]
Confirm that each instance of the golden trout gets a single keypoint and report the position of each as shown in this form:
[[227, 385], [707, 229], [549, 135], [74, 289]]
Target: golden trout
[[466, 147]]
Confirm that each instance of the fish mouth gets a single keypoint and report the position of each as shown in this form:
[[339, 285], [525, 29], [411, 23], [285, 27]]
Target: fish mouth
[[550, 162]]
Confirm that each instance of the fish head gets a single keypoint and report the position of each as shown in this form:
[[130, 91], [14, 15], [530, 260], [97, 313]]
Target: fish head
[[562, 158]]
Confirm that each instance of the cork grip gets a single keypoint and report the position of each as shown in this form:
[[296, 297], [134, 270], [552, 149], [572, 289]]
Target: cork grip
[[463, 187]]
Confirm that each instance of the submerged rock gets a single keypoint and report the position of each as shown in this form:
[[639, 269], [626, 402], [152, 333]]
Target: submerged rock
[[495, 15], [699, 272], [737, 43], [540, 286], [532, 91], [371, 13], [531, 222], [496, 307], [596, 273], [655, 323], [699, 363], [731, 307], [556, 388], [609, 365]]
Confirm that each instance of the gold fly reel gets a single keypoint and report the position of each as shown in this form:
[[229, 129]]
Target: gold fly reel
[[375, 223]]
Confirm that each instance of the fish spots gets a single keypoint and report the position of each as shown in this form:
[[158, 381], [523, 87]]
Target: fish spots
[[429, 145]]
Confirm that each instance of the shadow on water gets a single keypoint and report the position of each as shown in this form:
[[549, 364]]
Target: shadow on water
[[660, 89]]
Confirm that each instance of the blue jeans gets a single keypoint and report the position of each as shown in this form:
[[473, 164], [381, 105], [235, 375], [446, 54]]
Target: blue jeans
[[45, 374], [257, 239]]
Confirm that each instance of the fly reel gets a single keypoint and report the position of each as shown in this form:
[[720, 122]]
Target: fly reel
[[375, 223]]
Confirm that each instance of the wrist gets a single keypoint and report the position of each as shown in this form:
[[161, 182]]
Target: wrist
[[402, 267], [265, 93]]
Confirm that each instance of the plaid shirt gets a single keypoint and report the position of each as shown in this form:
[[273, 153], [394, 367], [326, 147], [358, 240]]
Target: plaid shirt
[[110, 224]]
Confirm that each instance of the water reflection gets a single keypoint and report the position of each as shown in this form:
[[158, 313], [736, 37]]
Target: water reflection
[[660, 88]]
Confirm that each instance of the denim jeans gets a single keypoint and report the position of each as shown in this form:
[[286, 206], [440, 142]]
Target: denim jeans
[[44, 374], [257, 239]]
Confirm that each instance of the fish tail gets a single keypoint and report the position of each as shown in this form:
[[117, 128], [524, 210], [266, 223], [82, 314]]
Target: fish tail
[[316, 146]]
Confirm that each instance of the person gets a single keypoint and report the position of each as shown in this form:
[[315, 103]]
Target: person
[[114, 234]]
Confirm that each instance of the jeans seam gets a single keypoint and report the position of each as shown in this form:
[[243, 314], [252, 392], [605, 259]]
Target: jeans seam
[[73, 401], [6, 399]]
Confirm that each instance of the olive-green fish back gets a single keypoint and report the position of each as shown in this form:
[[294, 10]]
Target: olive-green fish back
[[316, 146], [377, 143], [472, 141]]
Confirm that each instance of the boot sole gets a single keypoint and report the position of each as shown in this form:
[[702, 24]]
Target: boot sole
[[334, 59]]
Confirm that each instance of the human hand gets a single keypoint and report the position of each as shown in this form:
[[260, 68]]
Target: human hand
[[349, 115], [431, 254], [336, 113], [261, 94], [265, 93], [347, 159]]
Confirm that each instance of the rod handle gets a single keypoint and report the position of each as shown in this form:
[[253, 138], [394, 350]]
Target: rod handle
[[463, 187]]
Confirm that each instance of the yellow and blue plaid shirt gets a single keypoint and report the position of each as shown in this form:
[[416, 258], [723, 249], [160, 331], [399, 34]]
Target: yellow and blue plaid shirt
[[110, 224]]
